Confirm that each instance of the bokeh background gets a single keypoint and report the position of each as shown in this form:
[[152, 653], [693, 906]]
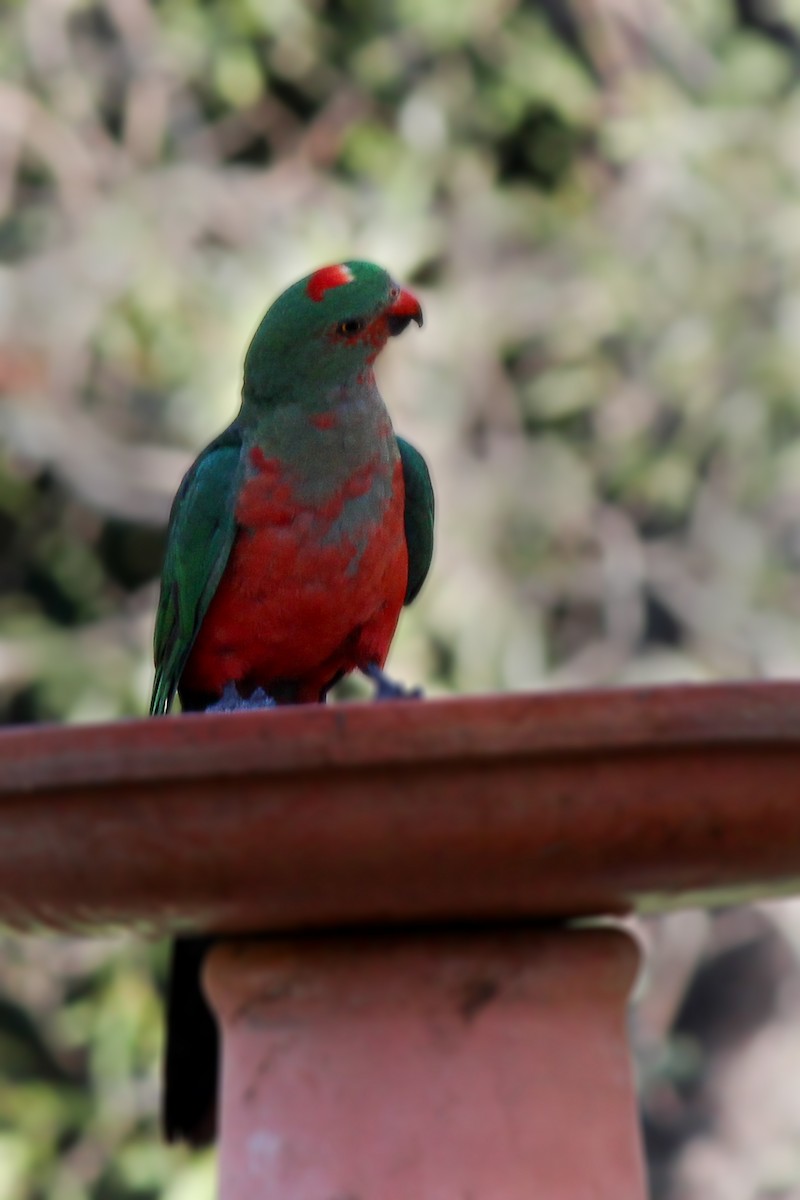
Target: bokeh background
[[599, 203]]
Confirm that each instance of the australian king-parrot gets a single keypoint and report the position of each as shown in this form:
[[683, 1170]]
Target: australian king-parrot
[[294, 541]]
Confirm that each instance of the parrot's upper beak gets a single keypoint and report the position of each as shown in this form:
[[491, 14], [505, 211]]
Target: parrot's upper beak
[[403, 309]]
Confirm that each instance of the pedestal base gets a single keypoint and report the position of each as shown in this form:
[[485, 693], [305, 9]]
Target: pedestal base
[[483, 1065]]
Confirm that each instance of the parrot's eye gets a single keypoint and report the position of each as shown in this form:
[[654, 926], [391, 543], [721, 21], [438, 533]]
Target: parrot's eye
[[351, 327]]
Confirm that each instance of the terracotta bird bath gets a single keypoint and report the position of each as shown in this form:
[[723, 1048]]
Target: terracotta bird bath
[[413, 1012]]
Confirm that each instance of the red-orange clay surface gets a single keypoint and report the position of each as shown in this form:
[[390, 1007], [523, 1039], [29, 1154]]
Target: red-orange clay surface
[[485, 1065], [490, 807]]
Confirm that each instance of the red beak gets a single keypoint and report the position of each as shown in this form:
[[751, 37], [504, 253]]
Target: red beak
[[404, 308]]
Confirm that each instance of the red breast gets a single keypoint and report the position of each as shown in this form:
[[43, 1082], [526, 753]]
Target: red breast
[[301, 600]]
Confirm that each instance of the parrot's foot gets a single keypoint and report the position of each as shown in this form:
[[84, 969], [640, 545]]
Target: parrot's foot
[[231, 701], [386, 688]]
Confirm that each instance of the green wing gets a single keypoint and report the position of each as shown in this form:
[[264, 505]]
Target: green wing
[[202, 526], [419, 513]]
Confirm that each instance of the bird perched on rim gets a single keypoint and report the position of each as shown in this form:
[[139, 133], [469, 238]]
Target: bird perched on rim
[[294, 541]]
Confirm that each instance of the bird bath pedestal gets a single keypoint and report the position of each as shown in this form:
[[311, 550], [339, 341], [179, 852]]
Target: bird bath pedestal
[[412, 1013]]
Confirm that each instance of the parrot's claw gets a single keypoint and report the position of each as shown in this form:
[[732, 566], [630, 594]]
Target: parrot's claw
[[387, 689], [231, 701]]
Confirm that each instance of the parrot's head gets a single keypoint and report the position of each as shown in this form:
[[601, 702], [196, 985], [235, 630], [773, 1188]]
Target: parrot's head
[[325, 332]]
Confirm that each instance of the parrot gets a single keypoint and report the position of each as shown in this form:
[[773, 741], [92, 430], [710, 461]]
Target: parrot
[[294, 541]]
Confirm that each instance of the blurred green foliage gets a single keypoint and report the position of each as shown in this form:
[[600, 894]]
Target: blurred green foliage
[[599, 204]]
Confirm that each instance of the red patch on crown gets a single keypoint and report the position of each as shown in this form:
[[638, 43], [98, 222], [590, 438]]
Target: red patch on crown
[[326, 278]]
